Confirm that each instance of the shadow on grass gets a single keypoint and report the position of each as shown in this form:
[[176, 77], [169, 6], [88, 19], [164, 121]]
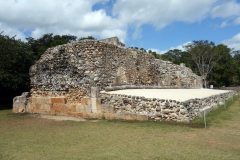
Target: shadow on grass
[[6, 106], [151, 123], [8, 114]]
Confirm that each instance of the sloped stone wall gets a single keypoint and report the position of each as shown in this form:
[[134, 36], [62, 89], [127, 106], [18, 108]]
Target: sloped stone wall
[[62, 79], [84, 64]]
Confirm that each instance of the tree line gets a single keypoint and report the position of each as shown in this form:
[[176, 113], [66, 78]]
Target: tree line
[[217, 64]]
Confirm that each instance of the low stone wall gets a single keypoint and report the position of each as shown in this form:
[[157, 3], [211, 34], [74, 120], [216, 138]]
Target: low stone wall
[[162, 109], [237, 89], [119, 106]]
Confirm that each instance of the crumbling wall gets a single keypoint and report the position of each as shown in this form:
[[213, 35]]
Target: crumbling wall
[[62, 79], [113, 40], [76, 67]]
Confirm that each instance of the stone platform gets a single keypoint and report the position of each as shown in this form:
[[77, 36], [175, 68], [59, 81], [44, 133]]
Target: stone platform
[[165, 104], [173, 94]]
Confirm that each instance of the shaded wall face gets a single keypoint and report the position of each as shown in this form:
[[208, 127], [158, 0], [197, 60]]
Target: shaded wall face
[[75, 68]]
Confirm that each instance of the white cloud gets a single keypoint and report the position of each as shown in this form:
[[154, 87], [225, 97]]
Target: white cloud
[[59, 17], [77, 18], [227, 10], [160, 13], [224, 24], [180, 47], [237, 21], [11, 31], [233, 42]]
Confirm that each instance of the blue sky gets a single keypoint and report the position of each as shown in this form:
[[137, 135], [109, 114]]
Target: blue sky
[[159, 25]]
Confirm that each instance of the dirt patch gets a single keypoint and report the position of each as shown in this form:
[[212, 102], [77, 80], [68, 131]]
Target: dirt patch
[[62, 118]]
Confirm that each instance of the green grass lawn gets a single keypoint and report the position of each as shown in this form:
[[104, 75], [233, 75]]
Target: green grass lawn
[[23, 136]]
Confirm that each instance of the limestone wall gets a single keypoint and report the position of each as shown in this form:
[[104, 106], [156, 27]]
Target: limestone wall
[[161, 109], [121, 106], [113, 40], [61, 80], [76, 67]]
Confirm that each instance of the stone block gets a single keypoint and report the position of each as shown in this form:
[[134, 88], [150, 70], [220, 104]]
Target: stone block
[[48, 100], [61, 100], [142, 117], [88, 109], [34, 100], [134, 116], [83, 101], [94, 92], [46, 107], [55, 106], [15, 110], [73, 108], [118, 115], [128, 117], [39, 100], [94, 105], [99, 106], [53, 100], [37, 106]]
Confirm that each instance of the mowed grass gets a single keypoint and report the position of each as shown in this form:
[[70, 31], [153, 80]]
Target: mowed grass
[[23, 136]]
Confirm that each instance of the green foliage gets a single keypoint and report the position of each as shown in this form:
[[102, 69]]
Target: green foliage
[[103, 117], [15, 59], [39, 46], [157, 56], [178, 56], [226, 71], [225, 62], [89, 37]]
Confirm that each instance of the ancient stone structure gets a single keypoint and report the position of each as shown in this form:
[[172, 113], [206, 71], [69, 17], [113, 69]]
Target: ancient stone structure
[[113, 40], [66, 80], [130, 106]]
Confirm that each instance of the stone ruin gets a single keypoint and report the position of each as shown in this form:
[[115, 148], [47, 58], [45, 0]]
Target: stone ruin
[[113, 40], [69, 80]]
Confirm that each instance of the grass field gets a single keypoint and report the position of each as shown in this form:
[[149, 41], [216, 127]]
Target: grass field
[[23, 136]]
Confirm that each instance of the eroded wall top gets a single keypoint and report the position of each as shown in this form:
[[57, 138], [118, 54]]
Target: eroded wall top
[[92, 63]]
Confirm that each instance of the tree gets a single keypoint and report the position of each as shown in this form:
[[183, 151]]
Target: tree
[[225, 71], [89, 37], [15, 59], [153, 53], [40, 45], [205, 55], [178, 56]]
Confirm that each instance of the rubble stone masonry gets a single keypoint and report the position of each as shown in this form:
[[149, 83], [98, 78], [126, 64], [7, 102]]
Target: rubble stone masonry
[[67, 79]]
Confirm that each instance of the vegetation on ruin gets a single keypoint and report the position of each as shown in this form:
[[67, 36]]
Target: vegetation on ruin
[[26, 136], [89, 37]]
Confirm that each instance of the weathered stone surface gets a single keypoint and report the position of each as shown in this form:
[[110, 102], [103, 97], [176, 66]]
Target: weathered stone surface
[[66, 80]]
